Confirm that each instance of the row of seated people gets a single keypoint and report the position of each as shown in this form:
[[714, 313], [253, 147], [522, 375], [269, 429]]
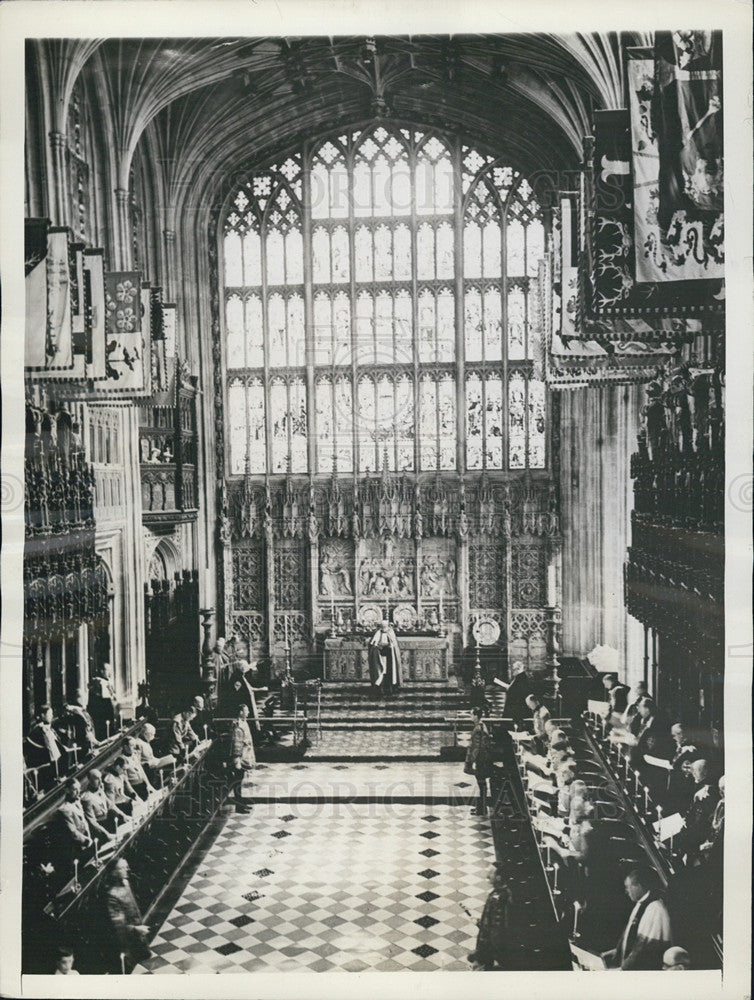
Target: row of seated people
[[55, 747], [580, 815], [98, 806], [680, 772]]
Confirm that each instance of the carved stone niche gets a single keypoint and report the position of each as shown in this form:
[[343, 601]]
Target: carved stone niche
[[336, 568]]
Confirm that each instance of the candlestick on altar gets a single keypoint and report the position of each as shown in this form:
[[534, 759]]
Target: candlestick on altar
[[107, 725], [576, 910], [76, 886], [646, 798], [626, 763], [555, 890], [205, 733], [96, 853]]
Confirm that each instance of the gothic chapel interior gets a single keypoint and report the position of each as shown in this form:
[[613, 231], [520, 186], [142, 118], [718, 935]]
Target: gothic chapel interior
[[324, 332]]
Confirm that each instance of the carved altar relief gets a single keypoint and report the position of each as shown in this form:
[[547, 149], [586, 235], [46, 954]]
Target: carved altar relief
[[437, 573], [387, 569], [336, 569]]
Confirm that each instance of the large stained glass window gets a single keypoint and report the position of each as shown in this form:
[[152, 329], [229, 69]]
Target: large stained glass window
[[380, 310]]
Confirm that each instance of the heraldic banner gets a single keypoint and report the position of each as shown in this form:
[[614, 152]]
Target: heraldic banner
[[675, 96]]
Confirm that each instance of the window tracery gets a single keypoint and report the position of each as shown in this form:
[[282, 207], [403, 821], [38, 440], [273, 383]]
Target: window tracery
[[371, 328]]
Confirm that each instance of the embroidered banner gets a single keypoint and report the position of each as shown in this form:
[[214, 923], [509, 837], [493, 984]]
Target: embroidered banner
[[59, 341], [35, 268], [127, 349], [94, 278], [676, 117], [568, 270]]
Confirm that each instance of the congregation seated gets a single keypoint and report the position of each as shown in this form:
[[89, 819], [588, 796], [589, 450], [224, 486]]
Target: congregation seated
[[118, 788], [134, 770], [74, 835], [149, 759], [101, 813], [183, 738]]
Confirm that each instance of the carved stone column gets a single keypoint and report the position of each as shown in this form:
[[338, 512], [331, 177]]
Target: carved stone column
[[59, 207], [124, 228]]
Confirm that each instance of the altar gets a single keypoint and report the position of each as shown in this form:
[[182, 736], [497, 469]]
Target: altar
[[423, 658]]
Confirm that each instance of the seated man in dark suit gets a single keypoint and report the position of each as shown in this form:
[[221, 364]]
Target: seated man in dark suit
[[617, 693]]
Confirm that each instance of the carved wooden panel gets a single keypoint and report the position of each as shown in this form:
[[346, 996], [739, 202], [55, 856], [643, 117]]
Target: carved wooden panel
[[486, 566], [249, 626], [528, 639], [529, 571], [290, 627], [290, 574], [249, 577]]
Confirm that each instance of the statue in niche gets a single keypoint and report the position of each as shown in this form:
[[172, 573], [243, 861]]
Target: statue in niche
[[655, 423], [506, 514], [313, 525], [418, 517]]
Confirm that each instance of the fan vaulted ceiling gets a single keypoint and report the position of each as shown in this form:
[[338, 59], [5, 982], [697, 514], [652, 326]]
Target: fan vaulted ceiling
[[210, 106]]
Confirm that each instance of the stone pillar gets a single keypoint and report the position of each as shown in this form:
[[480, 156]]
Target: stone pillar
[[59, 193], [124, 228]]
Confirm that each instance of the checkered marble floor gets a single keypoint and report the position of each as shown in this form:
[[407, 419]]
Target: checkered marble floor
[[378, 743], [333, 886], [322, 780]]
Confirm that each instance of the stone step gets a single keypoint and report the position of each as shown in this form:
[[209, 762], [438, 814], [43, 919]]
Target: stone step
[[338, 696], [451, 684], [385, 724]]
